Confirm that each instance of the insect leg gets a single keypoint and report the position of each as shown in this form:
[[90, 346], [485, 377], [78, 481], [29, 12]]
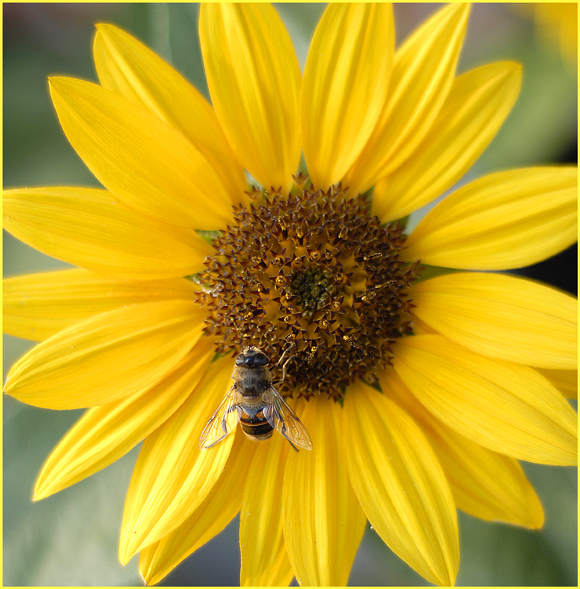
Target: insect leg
[[293, 446], [286, 364], [292, 345]]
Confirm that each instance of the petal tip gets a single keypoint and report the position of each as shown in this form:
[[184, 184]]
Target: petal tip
[[126, 551], [515, 68], [44, 487], [108, 29], [40, 494], [537, 521]]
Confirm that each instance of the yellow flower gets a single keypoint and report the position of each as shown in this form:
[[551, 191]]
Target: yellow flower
[[420, 395]]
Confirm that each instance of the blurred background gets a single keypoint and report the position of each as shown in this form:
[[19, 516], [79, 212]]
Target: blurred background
[[71, 539]]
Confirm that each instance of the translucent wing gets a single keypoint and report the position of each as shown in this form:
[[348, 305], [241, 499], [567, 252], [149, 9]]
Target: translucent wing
[[285, 421], [221, 423]]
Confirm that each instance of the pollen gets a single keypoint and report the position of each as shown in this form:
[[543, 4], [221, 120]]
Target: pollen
[[314, 280]]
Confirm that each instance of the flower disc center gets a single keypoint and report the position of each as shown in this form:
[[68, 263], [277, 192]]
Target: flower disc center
[[311, 277], [313, 288]]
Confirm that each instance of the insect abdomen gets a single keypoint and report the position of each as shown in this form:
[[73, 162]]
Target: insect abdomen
[[257, 428]]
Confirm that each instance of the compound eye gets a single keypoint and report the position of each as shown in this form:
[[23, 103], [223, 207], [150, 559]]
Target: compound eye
[[260, 359], [240, 360]]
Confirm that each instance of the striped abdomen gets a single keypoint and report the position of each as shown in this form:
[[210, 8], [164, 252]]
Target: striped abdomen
[[256, 427]]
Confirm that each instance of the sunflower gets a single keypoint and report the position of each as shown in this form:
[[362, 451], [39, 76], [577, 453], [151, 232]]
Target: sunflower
[[422, 373]]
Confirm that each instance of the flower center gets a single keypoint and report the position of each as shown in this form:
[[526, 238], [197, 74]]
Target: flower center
[[313, 288], [313, 280]]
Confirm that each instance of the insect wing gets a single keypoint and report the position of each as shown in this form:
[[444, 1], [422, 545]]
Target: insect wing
[[281, 417], [221, 423]]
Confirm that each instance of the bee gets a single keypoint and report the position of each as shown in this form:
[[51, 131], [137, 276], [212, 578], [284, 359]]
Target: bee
[[254, 402]]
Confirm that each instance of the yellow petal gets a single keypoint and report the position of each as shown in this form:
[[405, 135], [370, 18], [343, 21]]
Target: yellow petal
[[504, 220], [423, 71], [106, 433], [133, 71], [37, 306], [173, 476], [420, 327], [502, 316], [145, 163], [264, 558], [209, 519], [505, 407], [474, 110], [400, 484], [91, 229], [566, 381], [107, 357], [323, 520], [345, 86], [484, 484], [254, 81]]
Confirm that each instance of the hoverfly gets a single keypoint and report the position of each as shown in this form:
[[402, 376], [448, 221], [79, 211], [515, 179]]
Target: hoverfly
[[254, 402]]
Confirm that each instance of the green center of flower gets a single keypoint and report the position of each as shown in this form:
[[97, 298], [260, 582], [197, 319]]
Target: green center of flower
[[313, 288], [314, 278]]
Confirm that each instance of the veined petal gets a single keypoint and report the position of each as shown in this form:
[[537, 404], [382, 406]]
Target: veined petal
[[423, 72], [145, 163], [90, 228], [505, 407], [566, 381], [209, 519], [264, 558], [133, 71], [504, 220], [400, 484], [173, 476], [37, 306], [502, 316], [323, 520], [107, 357], [484, 484], [345, 86], [106, 433], [475, 108], [254, 81]]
